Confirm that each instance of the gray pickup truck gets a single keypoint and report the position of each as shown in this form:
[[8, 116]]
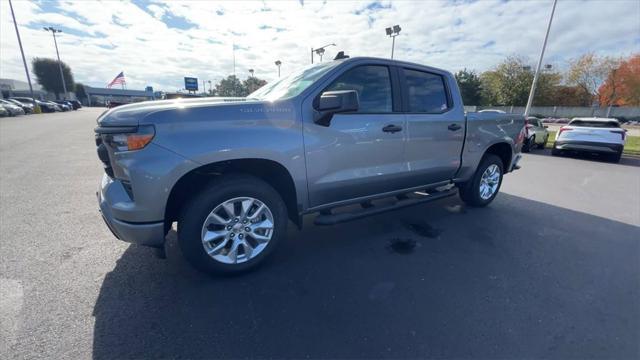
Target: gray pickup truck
[[344, 139]]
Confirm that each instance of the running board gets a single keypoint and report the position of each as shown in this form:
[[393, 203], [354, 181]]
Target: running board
[[331, 219]]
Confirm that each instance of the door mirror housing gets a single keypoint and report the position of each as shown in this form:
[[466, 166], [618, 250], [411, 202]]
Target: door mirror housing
[[333, 102]]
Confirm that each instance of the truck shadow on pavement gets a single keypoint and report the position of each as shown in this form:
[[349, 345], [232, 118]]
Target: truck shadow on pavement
[[517, 279]]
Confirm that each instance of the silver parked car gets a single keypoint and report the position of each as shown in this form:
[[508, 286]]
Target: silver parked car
[[13, 109], [537, 134], [349, 131]]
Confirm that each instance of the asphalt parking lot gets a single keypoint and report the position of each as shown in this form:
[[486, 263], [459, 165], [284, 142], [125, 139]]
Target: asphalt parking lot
[[550, 270]]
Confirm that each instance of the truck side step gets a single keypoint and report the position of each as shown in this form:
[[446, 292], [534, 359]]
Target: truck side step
[[370, 209]]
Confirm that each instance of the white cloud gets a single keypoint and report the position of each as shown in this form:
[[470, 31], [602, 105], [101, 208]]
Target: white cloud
[[158, 43]]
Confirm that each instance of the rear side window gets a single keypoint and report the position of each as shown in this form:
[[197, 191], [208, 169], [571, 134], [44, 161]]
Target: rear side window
[[601, 124], [426, 92], [373, 84]]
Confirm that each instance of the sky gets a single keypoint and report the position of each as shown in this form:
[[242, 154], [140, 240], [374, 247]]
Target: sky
[[158, 43]]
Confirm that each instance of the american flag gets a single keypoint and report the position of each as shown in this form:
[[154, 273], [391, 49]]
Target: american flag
[[118, 80]]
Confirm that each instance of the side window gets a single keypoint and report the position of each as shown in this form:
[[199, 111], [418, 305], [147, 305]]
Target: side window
[[426, 92], [373, 84]]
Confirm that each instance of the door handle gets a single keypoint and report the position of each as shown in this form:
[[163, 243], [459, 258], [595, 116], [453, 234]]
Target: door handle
[[454, 127], [392, 128]]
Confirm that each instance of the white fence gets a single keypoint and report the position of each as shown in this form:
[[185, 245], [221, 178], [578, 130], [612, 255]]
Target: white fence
[[565, 111]]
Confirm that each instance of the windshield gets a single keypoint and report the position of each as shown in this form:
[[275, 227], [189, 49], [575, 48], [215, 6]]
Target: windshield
[[293, 84]]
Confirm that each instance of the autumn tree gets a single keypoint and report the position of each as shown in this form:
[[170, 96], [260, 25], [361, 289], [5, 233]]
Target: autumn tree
[[622, 86], [589, 72], [47, 73]]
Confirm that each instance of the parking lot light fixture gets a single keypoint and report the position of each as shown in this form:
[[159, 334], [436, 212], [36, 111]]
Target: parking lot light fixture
[[320, 51], [53, 32], [278, 63], [392, 32]]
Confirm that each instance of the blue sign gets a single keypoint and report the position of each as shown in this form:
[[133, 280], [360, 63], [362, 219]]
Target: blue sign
[[191, 83]]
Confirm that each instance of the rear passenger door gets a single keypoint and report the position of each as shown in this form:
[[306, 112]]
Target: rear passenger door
[[435, 128]]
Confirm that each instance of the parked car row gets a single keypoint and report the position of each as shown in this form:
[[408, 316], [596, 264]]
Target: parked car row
[[24, 105]]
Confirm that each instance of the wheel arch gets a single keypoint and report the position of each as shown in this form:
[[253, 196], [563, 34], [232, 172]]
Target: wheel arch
[[272, 172], [504, 151]]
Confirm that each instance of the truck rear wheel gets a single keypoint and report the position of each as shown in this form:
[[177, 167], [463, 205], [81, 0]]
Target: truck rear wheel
[[232, 225], [484, 186]]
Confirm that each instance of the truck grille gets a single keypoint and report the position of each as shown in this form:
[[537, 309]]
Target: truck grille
[[103, 155]]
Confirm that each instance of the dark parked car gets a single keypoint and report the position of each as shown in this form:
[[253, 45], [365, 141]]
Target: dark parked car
[[3, 111], [76, 104], [66, 105], [45, 106]]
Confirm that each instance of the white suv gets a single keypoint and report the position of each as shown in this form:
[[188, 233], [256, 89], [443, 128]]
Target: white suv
[[593, 135]]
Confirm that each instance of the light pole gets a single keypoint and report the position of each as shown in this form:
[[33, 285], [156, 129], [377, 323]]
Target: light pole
[[251, 72], [54, 31], [210, 88], [278, 63], [535, 76], [24, 61], [613, 90], [320, 51], [393, 32]]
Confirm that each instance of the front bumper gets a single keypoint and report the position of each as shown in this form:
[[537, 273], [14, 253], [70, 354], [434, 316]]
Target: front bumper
[[589, 146], [148, 233]]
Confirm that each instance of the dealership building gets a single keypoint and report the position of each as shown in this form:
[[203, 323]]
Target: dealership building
[[102, 96]]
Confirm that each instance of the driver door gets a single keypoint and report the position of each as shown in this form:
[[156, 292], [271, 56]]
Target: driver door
[[359, 153]]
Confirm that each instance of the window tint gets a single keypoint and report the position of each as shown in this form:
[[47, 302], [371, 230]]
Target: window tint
[[426, 92], [373, 85]]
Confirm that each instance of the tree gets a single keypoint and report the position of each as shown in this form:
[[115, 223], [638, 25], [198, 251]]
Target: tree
[[508, 83], [622, 86], [589, 72], [572, 96], [80, 92], [547, 88], [470, 87], [253, 83], [231, 86], [47, 74]]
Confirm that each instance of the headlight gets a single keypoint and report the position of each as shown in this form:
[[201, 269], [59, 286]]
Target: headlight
[[131, 141]]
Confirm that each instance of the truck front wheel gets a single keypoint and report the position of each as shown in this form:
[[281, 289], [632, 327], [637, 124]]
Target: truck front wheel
[[484, 186], [232, 225]]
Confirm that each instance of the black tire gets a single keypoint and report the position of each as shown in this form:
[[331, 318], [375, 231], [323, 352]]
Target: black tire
[[526, 147], [470, 191], [616, 157], [543, 143], [197, 209]]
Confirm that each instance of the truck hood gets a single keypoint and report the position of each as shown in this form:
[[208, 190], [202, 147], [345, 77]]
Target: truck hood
[[131, 114]]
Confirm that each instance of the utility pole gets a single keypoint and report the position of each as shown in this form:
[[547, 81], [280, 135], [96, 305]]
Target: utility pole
[[24, 61], [537, 73], [54, 31]]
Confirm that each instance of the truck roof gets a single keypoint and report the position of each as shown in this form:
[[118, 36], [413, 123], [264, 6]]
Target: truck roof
[[392, 61]]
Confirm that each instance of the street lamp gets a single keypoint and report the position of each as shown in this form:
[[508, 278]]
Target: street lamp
[[54, 31], [251, 72], [210, 88], [278, 63], [535, 75], [320, 51], [392, 32]]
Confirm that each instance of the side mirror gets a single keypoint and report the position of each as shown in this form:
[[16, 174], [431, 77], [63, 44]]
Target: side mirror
[[333, 102]]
